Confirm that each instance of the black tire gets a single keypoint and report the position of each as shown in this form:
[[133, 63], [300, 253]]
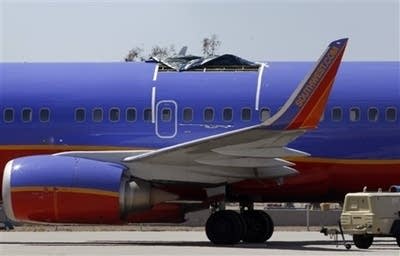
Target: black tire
[[398, 240], [363, 241], [225, 227], [259, 226], [271, 226]]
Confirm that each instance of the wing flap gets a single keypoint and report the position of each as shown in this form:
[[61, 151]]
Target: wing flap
[[247, 162], [203, 174], [260, 152]]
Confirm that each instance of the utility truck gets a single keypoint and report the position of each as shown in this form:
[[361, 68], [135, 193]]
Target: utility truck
[[367, 215]]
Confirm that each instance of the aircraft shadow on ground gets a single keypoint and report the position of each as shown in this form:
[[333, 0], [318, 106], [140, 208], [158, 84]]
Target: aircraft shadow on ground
[[275, 245]]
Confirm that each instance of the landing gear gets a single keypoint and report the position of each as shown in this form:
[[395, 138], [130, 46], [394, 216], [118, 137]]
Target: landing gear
[[225, 227], [363, 241], [230, 227], [259, 226]]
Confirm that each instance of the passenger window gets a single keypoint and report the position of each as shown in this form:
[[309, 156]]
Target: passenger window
[[114, 115], [373, 114], [147, 115], [130, 114], [8, 115], [80, 115], [208, 114], [354, 114], [337, 114], [26, 115], [391, 114], [246, 114], [187, 115], [265, 114], [166, 114], [97, 115], [44, 115], [227, 114]]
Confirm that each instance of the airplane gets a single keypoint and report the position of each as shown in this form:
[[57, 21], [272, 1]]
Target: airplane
[[144, 142]]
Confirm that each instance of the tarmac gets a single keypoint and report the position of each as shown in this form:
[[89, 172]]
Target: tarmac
[[177, 243]]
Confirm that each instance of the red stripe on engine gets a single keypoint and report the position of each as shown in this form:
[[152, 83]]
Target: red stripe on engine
[[65, 207]]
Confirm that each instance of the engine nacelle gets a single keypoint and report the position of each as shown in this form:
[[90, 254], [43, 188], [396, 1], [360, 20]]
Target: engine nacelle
[[62, 189]]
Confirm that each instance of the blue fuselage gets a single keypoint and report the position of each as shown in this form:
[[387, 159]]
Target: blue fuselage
[[129, 105]]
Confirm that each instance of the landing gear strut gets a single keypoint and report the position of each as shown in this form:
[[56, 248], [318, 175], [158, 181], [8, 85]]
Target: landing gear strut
[[230, 227]]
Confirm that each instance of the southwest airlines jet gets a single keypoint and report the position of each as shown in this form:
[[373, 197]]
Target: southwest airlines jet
[[148, 142]]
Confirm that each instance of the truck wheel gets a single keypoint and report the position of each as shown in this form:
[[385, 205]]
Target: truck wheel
[[363, 241], [398, 240]]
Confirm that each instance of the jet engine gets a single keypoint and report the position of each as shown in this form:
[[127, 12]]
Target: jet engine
[[63, 189]]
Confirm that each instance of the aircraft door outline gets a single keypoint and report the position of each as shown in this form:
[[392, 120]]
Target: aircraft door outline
[[166, 119]]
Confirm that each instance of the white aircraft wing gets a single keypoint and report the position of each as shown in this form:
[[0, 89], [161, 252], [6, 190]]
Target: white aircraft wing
[[248, 153]]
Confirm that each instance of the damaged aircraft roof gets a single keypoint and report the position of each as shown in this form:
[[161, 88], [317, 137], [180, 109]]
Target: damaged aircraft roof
[[191, 62]]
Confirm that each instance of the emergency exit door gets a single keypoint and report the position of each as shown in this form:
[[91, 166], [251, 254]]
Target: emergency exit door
[[166, 119]]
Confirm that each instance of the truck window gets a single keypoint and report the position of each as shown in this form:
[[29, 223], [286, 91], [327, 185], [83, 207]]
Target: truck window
[[357, 204]]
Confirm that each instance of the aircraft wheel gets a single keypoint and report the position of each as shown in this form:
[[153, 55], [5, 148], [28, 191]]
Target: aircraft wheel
[[260, 226], [225, 227], [398, 240], [363, 241]]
